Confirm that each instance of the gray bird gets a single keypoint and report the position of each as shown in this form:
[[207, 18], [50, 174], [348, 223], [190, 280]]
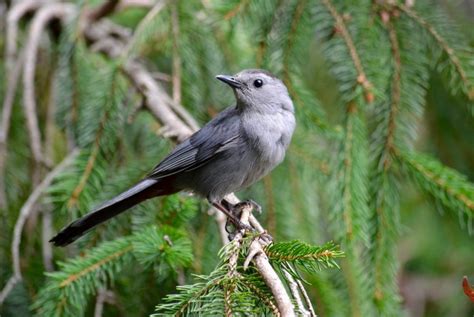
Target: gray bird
[[231, 152]]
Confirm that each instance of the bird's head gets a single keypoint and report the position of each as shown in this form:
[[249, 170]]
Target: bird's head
[[258, 90]]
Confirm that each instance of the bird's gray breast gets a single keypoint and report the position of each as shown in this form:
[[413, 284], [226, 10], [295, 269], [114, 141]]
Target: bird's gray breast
[[269, 136]]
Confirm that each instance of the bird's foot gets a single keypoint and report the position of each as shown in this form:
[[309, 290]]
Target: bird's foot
[[248, 203], [236, 211]]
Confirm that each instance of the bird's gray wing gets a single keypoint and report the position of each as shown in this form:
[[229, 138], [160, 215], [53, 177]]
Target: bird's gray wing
[[219, 134]]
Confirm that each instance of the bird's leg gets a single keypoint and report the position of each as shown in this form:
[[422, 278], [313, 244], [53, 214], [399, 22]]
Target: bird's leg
[[231, 216]]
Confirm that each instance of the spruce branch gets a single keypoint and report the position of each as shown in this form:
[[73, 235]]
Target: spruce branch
[[351, 214], [13, 76], [445, 46], [67, 290], [86, 173], [395, 97], [384, 190], [446, 185], [342, 28], [24, 214], [298, 252], [295, 20]]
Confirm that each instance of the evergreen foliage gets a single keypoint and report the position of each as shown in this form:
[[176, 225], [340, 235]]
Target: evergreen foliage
[[359, 73]]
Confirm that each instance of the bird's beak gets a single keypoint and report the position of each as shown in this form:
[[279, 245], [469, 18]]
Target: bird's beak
[[229, 80]]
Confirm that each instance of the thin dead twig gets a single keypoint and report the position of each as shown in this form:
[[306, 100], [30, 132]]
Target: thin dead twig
[[294, 289]]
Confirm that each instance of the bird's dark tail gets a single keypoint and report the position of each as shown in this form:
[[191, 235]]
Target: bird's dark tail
[[145, 189]]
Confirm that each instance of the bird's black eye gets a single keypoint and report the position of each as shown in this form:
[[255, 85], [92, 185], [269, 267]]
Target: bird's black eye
[[258, 83]]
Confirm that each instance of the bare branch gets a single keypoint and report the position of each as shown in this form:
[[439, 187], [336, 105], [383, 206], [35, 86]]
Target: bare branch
[[306, 298], [104, 296], [272, 280], [296, 294], [14, 16], [47, 218], [155, 100], [8, 288], [176, 78], [24, 213], [46, 234], [40, 21]]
